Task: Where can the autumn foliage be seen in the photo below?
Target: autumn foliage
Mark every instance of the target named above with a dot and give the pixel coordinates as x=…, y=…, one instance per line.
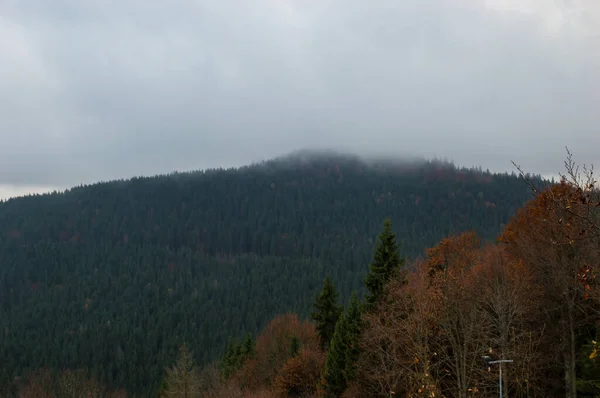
x=300, y=375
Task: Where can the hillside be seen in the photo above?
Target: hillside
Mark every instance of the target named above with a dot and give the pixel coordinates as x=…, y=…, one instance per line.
x=114, y=276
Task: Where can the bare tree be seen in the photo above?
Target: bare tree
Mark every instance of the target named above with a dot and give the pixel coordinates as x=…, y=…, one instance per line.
x=397, y=344
x=182, y=378
x=509, y=300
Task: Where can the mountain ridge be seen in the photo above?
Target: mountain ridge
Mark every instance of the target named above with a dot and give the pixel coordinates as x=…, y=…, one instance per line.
x=299, y=158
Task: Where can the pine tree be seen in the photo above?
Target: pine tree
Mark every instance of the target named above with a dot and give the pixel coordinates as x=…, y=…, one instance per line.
x=343, y=350
x=386, y=261
x=182, y=379
x=327, y=312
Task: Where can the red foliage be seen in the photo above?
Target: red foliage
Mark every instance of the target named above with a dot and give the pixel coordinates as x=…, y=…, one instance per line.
x=273, y=349
x=300, y=375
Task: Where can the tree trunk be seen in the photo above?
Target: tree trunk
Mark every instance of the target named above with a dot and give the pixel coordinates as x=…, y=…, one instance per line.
x=570, y=355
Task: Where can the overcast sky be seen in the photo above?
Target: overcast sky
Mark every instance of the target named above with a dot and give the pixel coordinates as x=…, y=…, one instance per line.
x=93, y=90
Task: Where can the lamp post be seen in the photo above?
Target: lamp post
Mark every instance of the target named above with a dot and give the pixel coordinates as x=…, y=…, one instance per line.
x=486, y=359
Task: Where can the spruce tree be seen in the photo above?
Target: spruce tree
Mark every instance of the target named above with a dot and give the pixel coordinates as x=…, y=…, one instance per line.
x=335, y=362
x=327, y=312
x=386, y=261
x=354, y=329
x=343, y=350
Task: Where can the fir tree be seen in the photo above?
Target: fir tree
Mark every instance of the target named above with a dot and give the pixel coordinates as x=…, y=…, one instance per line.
x=327, y=312
x=343, y=350
x=386, y=261
x=182, y=379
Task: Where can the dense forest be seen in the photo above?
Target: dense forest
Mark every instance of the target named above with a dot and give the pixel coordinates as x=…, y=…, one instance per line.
x=113, y=278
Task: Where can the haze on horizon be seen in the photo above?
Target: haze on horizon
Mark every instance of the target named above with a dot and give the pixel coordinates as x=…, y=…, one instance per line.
x=94, y=91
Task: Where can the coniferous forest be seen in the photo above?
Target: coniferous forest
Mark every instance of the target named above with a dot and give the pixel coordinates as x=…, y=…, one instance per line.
x=309, y=275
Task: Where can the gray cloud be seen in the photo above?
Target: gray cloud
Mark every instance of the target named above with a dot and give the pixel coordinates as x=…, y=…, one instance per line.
x=97, y=90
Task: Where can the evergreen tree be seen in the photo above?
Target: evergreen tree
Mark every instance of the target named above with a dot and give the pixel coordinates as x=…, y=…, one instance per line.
x=248, y=349
x=386, y=262
x=295, y=347
x=343, y=350
x=327, y=312
x=354, y=329
x=334, y=380
x=229, y=360
x=182, y=379
x=237, y=353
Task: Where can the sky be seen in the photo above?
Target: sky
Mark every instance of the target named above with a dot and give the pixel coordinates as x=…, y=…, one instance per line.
x=96, y=90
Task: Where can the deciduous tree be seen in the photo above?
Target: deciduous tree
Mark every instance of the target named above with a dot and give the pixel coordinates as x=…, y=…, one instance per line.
x=182, y=378
x=552, y=241
x=398, y=343
x=300, y=375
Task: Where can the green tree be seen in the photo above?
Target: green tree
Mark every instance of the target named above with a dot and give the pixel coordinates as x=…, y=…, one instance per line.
x=295, y=347
x=353, y=332
x=248, y=348
x=327, y=312
x=229, y=360
x=386, y=262
x=182, y=379
x=343, y=350
x=237, y=353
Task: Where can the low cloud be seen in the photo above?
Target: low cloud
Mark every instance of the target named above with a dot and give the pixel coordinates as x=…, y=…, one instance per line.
x=98, y=90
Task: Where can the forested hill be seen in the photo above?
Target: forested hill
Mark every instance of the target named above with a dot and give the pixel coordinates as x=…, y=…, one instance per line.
x=114, y=276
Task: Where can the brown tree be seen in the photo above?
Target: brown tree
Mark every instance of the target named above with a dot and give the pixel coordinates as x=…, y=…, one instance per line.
x=510, y=300
x=463, y=332
x=39, y=384
x=397, y=345
x=583, y=200
x=550, y=236
x=274, y=348
x=300, y=375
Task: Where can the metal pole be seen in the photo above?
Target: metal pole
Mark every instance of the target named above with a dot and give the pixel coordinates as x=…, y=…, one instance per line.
x=500, y=367
x=500, y=362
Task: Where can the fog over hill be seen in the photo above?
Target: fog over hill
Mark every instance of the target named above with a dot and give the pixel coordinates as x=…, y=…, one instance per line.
x=295, y=159
x=96, y=91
